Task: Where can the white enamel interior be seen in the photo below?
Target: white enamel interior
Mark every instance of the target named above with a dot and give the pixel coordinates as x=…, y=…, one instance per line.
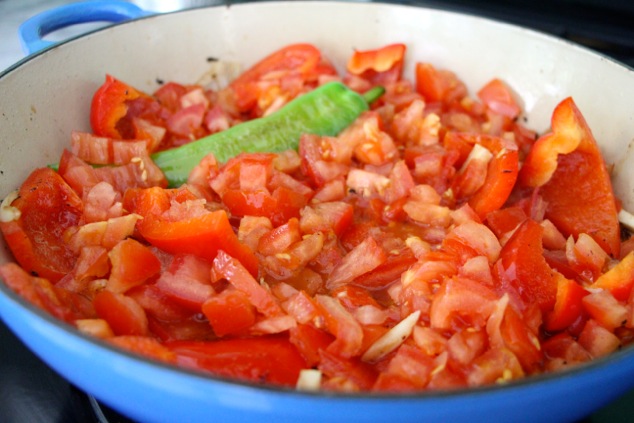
x=45, y=97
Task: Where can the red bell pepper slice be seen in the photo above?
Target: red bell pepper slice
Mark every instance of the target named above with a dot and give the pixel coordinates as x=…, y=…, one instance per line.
x=109, y=106
x=574, y=180
x=299, y=59
x=501, y=176
x=568, y=305
x=532, y=278
x=619, y=280
x=379, y=60
x=203, y=236
x=270, y=359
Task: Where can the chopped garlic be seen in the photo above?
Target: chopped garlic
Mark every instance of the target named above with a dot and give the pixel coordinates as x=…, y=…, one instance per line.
x=627, y=219
x=309, y=380
x=392, y=339
x=8, y=213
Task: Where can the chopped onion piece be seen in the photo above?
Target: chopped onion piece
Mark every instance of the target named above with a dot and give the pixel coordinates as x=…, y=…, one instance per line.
x=627, y=219
x=309, y=380
x=8, y=213
x=392, y=339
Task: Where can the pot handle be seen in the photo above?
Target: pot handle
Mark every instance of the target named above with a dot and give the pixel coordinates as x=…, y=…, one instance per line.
x=32, y=31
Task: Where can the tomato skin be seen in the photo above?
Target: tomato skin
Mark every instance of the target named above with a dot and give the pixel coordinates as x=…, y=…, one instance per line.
x=109, y=106
x=37, y=291
x=266, y=359
x=48, y=206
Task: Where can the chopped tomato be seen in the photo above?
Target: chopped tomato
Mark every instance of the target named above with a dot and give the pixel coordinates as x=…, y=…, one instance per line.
x=237, y=275
x=432, y=244
x=498, y=97
x=438, y=85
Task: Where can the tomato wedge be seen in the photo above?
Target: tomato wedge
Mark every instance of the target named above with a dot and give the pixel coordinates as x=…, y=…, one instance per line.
x=271, y=359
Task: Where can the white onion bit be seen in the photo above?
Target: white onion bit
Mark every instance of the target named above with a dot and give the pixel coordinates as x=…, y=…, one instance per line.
x=627, y=219
x=392, y=338
x=309, y=380
x=8, y=213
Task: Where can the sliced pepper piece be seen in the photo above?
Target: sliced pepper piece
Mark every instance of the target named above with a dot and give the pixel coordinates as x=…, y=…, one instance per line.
x=109, y=106
x=574, y=180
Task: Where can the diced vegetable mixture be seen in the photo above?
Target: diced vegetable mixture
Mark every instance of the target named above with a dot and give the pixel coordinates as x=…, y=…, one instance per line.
x=376, y=233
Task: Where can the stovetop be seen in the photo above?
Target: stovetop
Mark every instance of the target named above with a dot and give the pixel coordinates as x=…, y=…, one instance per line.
x=31, y=392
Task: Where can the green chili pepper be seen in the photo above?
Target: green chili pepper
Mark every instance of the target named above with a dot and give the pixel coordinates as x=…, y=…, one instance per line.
x=326, y=110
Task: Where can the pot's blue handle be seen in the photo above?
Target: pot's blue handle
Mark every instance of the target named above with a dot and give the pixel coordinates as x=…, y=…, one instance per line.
x=32, y=31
